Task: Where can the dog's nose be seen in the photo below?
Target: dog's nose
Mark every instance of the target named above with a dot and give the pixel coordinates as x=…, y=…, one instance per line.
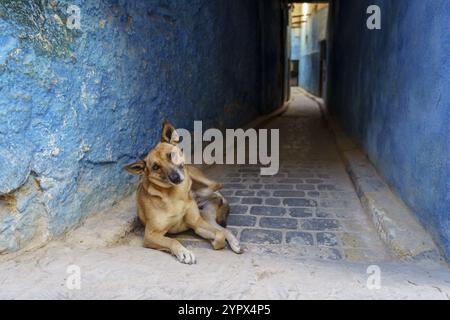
x=174, y=177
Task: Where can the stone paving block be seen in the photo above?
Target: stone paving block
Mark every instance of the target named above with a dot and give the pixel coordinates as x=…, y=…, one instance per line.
x=301, y=212
x=326, y=187
x=318, y=224
x=241, y=220
x=280, y=186
x=291, y=181
x=327, y=239
x=263, y=193
x=233, y=200
x=320, y=213
x=299, y=238
x=278, y=223
x=279, y=175
x=267, y=211
x=299, y=202
x=289, y=194
x=234, y=186
x=305, y=187
x=238, y=209
x=256, y=186
x=313, y=194
x=251, y=200
x=245, y=193
x=227, y=193
x=314, y=181
x=261, y=236
x=272, y=201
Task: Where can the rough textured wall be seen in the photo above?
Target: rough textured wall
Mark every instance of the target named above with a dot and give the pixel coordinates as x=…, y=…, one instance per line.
x=390, y=89
x=306, y=49
x=77, y=105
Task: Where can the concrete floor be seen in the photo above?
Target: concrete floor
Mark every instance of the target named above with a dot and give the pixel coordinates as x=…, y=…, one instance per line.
x=305, y=232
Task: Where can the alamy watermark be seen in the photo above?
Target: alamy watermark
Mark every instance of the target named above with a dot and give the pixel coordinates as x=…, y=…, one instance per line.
x=239, y=146
x=374, y=20
x=374, y=278
x=74, y=18
x=73, y=281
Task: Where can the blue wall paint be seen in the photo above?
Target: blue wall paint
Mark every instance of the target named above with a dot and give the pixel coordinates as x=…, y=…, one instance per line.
x=306, y=49
x=390, y=89
x=295, y=44
x=77, y=105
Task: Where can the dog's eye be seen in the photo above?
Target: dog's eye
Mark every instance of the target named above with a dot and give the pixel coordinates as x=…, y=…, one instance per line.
x=155, y=167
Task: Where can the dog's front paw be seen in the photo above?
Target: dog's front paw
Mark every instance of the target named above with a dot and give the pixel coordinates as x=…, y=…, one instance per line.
x=235, y=245
x=185, y=256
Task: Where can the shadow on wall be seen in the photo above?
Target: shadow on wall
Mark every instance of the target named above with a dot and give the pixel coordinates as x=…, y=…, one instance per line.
x=78, y=104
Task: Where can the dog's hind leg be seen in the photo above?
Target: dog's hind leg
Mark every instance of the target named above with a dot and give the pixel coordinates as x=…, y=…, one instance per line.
x=158, y=241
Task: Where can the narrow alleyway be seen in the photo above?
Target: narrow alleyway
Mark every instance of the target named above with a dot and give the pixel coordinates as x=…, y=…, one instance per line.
x=310, y=207
x=310, y=204
x=305, y=231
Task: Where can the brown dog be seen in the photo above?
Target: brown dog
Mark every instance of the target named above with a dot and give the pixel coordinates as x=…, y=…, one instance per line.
x=164, y=199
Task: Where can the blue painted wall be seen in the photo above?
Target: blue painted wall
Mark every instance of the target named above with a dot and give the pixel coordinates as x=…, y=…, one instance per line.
x=295, y=43
x=390, y=89
x=306, y=49
x=77, y=105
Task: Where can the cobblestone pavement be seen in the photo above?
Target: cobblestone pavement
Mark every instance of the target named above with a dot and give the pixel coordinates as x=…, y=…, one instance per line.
x=310, y=207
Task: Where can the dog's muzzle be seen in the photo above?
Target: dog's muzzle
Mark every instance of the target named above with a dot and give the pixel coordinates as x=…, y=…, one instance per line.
x=175, y=177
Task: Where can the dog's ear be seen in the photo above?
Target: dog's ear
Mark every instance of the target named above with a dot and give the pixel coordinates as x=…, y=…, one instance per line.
x=169, y=134
x=137, y=167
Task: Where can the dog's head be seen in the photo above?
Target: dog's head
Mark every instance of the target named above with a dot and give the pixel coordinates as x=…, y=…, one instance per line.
x=164, y=164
